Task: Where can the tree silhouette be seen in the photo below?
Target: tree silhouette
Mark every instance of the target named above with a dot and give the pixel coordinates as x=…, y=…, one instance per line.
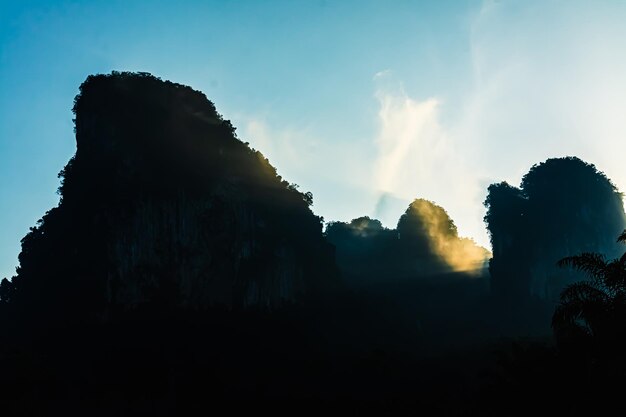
x=595, y=308
x=6, y=288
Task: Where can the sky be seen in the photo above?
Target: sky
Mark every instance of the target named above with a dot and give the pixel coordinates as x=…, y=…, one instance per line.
x=367, y=104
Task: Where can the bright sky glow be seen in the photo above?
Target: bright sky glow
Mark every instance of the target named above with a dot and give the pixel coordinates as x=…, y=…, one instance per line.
x=367, y=104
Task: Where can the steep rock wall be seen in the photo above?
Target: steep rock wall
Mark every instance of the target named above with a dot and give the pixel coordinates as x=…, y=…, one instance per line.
x=162, y=204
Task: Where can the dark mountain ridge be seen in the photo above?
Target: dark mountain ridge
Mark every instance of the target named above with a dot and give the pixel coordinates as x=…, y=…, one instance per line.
x=162, y=204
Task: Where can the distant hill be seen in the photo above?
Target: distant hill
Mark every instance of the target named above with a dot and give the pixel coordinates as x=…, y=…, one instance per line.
x=424, y=243
x=163, y=205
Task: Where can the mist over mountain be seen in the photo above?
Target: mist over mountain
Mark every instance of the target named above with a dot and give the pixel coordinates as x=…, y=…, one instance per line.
x=424, y=243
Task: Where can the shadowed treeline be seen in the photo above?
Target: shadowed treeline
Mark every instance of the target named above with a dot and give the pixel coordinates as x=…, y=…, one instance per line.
x=424, y=243
x=180, y=274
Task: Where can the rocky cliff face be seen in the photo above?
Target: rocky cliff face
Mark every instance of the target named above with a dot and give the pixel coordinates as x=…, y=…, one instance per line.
x=563, y=207
x=163, y=204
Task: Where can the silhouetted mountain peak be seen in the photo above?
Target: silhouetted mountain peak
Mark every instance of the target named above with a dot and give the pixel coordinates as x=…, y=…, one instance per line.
x=563, y=206
x=163, y=204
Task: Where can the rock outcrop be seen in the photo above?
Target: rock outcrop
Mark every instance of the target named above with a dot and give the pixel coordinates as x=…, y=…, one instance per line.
x=563, y=207
x=162, y=204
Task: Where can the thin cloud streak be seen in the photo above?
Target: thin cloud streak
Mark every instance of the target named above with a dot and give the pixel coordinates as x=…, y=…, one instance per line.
x=535, y=90
x=419, y=158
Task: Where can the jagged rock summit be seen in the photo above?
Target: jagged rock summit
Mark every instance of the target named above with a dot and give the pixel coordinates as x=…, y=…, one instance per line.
x=163, y=205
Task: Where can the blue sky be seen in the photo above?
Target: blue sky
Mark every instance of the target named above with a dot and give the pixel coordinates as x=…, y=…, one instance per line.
x=368, y=104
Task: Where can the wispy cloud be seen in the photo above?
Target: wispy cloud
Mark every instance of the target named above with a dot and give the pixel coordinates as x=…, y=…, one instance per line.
x=547, y=82
x=410, y=155
x=418, y=157
x=541, y=81
x=411, y=144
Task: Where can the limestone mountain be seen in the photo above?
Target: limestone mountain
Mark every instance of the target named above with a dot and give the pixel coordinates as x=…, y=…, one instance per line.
x=162, y=204
x=564, y=206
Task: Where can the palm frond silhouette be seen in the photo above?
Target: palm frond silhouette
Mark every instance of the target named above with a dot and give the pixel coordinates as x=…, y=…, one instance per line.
x=596, y=306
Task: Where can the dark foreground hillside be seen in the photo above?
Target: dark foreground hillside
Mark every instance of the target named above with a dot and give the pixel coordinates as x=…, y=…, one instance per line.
x=355, y=353
x=434, y=348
